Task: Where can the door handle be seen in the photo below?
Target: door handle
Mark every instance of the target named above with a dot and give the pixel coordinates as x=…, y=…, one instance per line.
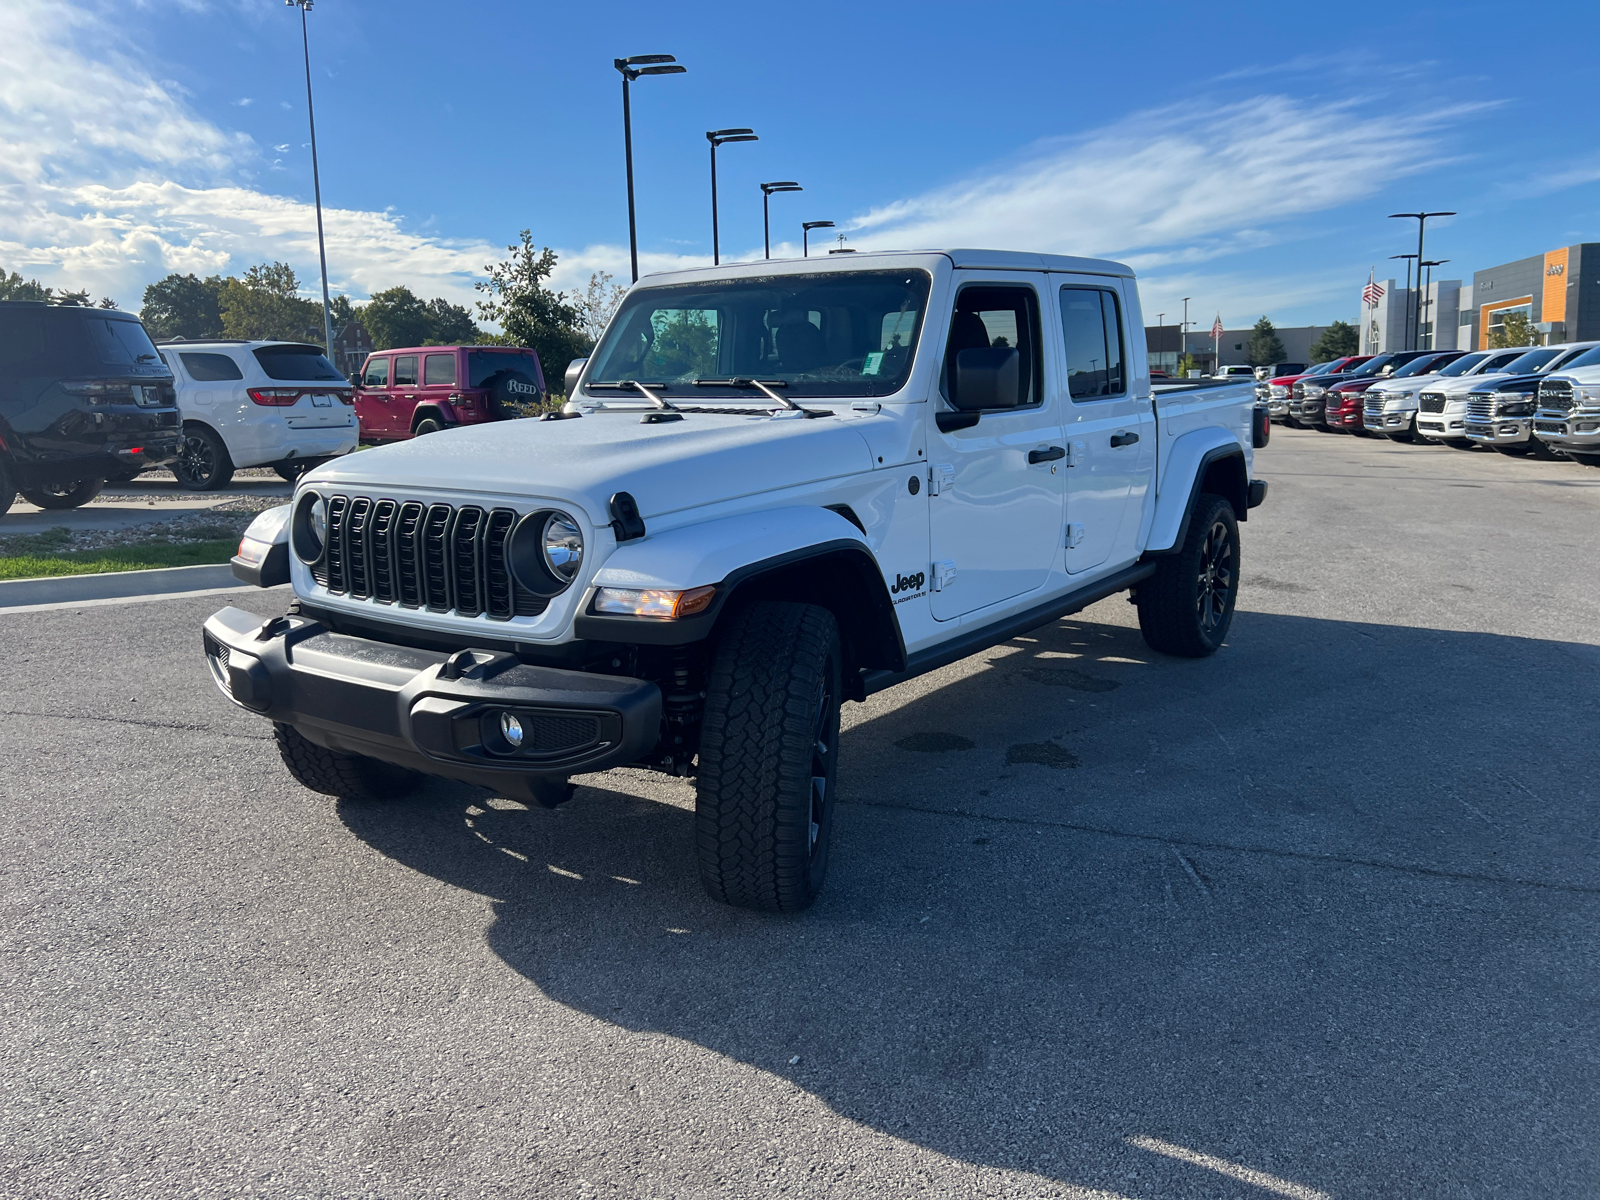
x=1123, y=439
x=1046, y=454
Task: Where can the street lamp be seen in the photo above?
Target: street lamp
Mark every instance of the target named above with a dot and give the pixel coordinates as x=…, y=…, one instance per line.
x=718, y=137
x=787, y=185
x=316, y=181
x=1422, y=223
x=1183, y=332
x=631, y=68
x=1408, y=258
x=1427, y=298
x=805, y=235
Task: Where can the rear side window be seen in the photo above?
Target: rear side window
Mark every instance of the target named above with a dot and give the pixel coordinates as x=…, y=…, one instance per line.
x=405, y=371
x=1091, y=325
x=306, y=364
x=210, y=368
x=45, y=341
x=377, y=373
x=998, y=317
x=439, y=368
x=121, y=342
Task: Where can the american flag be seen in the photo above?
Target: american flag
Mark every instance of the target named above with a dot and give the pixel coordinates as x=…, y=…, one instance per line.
x=1216, y=327
x=1373, y=292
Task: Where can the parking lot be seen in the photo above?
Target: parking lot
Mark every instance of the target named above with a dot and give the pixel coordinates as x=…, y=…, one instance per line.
x=1318, y=916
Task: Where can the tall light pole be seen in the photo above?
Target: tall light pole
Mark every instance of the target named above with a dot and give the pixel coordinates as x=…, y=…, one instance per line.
x=1427, y=298
x=1422, y=224
x=316, y=181
x=805, y=235
x=1183, y=332
x=631, y=68
x=718, y=137
x=1408, y=258
x=787, y=185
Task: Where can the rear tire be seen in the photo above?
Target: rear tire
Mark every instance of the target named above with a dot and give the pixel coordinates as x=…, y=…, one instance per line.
x=348, y=776
x=8, y=488
x=1541, y=450
x=425, y=427
x=769, y=757
x=204, y=465
x=291, y=473
x=1186, y=607
x=64, y=495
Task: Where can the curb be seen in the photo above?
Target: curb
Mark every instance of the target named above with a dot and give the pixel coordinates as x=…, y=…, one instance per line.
x=115, y=585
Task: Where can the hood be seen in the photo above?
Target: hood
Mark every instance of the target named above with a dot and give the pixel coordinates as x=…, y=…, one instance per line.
x=668, y=467
x=1511, y=383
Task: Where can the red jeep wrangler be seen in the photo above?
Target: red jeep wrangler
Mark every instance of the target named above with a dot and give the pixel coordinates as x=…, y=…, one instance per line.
x=403, y=393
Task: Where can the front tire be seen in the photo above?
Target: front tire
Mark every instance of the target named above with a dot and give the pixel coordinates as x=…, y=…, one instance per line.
x=769, y=757
x=348, y=776
x=64, y=495
x=1186, y=607
x=204, y=465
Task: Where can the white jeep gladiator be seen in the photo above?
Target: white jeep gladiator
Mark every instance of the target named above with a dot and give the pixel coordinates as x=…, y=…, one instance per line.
x=774, y=488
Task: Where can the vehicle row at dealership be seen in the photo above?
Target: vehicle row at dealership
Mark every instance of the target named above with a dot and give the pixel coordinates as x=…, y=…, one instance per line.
x=1537, y=401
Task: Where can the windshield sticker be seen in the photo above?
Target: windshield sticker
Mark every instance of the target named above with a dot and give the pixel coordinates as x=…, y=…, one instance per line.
x=874, y=361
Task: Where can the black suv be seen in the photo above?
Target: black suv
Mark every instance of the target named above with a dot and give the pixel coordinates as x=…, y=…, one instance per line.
x=84, y=397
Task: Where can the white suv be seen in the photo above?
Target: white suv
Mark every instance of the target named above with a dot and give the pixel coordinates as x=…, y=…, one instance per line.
x=250, y=404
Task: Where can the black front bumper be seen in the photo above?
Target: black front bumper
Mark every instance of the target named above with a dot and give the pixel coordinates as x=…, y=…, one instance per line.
x=427, y=710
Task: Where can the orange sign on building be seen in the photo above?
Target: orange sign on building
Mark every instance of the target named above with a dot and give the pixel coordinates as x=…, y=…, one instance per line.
x=1554, y=307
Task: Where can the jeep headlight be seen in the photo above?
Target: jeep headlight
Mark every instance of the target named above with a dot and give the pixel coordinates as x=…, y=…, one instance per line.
x=308, y=528
x=563, y=546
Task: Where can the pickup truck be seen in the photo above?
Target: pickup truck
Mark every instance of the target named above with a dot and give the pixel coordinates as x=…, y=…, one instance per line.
x=1568, y=414
x=1441, y=414
x=1345, y=404
x=774, y=488
x=1276, y=391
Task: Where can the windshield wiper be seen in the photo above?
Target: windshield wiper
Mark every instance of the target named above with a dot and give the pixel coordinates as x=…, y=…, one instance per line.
x=763, y=387
x=634, y=385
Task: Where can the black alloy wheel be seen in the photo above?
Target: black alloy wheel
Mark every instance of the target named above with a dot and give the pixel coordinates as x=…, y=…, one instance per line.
x=204, y=464
x=1217, y=579
x=824, y=758
x=1186, y=607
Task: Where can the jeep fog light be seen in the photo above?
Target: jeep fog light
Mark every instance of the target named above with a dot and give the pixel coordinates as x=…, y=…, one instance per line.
x=653, y=602
x=511, y=729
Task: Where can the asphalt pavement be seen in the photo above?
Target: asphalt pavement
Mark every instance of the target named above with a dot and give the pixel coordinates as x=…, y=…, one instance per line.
x=148, y=497
x=1318, y=916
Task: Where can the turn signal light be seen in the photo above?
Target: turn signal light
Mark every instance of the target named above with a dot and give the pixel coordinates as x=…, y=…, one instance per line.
x=275, y=397
x=653, y=602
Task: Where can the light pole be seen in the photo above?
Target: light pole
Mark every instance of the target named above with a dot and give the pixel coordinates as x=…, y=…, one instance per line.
x=1408, y=258
x=316, y=182
x=1422, y=224
x=1427, y=298
x=719, y=137
x=631, y=68
x=787, y=185
x=1183, y=332
x=805, y=235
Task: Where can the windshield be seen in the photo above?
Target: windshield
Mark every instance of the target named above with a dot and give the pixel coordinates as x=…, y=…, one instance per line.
x=1373, y=366
x=1587, y=359
x=1417, y=366
x=306, y=364
x=1532, y=361
x=830, y=334
x=1464, y=364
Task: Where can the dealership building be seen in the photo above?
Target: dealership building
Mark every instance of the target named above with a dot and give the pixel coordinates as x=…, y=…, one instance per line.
x=1558, y=291
x=1166, y=344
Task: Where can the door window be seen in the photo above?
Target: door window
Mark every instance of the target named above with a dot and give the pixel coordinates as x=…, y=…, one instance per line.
x=989, y=316
x=210, y=368
x=405, y=371
x=377, y=373
x=1091, y=327
x=439, y=369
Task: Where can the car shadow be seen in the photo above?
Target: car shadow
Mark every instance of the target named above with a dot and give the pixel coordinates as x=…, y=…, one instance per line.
x=1277, y=907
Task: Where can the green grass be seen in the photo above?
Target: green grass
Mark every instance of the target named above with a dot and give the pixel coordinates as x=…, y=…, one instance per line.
x=30, y=562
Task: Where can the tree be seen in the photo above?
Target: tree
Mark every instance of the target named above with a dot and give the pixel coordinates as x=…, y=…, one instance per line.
x=183, y=306
x=397, y=316
x=266, y=304
x=1265, y=347
x=529, y=312
x=1515, y=330
x=343, y=312
x=596, y=305
x=15, y=287
x=1337, y=341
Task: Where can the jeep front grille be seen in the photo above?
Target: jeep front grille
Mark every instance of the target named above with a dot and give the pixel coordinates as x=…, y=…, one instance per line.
x=1480, y=406
x=1555, y=395
x=429, y=556
x=1431, y=402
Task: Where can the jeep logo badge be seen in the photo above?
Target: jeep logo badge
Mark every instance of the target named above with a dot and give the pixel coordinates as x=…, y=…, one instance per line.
x=908, y=583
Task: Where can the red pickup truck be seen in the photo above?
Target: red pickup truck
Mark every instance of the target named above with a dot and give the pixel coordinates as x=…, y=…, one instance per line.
x=422, y=389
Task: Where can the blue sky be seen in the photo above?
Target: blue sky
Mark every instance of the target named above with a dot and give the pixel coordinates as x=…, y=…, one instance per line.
x=1245, y=155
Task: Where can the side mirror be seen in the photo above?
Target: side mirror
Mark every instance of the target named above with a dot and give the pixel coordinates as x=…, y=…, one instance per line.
x=574, y=369
x=988, y=377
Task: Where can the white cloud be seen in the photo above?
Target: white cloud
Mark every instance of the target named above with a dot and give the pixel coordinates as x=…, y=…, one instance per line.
x=1174, y=184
